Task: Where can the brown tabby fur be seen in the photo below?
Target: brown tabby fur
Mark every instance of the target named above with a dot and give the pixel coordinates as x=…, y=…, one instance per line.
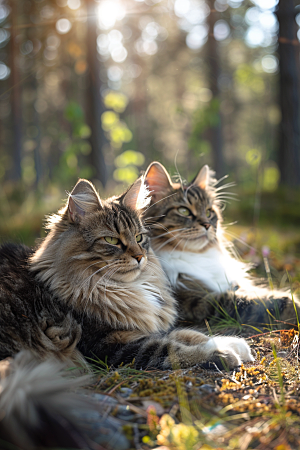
x=187, y=245
x=114, y=296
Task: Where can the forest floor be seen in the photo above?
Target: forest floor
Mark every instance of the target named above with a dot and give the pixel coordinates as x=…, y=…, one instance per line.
x=254, y=407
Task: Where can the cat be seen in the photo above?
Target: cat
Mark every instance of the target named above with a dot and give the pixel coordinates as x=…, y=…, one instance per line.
x=38, y=405
x=94, y=287
x=208, y=281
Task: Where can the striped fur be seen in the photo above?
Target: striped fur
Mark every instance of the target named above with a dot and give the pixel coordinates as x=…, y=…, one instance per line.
x=95, y=270
x=206, y=277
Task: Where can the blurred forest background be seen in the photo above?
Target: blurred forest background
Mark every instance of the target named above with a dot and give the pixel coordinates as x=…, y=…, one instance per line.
x=99, y=89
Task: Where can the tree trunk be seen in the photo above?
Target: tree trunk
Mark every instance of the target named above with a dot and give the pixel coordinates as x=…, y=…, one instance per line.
x=289, y=132
x=15, y=173
x=94, y=105
x=213, y=63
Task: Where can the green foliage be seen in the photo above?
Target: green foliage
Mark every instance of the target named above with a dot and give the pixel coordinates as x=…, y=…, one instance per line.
x=130, y=157
x=249, y=78
x=116, y=101
x=73, y=163
x=127, y=164
x=117, y=131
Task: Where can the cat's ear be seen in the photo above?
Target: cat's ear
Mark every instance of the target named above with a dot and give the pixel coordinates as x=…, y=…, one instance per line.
x=83, y=199
x=202, y=179
x=158, y=180
x=137, y=197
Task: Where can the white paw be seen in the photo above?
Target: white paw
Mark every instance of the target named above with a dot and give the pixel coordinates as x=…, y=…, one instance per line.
x=231, y=345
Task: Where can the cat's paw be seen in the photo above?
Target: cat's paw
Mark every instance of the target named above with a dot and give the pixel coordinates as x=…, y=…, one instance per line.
x=229, y=352
x=65, y=336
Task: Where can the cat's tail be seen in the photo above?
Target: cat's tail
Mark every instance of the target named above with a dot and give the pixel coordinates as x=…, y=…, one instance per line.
x=38, y=404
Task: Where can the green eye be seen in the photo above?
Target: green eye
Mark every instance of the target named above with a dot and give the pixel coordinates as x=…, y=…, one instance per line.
x=111, y=240
x=184, y=211
x=208, y=212
x=139, y=238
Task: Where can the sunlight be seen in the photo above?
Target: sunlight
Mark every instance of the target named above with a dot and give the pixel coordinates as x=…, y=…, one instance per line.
x=109, y=12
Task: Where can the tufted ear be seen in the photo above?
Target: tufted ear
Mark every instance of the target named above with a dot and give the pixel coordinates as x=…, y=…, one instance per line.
x=202, y=178
x=83, y=199
x=158, y=180
x=137, y=197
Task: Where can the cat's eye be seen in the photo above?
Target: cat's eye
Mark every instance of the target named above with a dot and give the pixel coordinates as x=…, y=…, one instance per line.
x=139, y=238
x=184, y=211
x=111, y=240
x=209, y=212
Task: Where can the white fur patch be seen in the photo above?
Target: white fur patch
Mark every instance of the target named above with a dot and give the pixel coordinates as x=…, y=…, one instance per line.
x=151, y=294
x=215, y=268
x=230, y=344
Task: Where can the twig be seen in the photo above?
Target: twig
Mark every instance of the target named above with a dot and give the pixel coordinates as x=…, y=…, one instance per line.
x=132, y=407
x=225, y=376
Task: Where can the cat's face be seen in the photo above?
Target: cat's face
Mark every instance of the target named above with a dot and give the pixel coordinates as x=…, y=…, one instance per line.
x=182, y=217
x=117, y=240
x=109, y=237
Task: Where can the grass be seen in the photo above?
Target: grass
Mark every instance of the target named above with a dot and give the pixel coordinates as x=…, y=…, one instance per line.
x=256, y=407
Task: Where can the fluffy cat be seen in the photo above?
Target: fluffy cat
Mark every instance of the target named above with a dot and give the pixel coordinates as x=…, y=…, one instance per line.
x=207, y=280
x=94, y=287
x=38, y=405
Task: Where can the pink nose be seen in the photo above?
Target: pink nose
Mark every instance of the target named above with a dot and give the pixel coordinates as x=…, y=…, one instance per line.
x=206, y=225
x=138, y=258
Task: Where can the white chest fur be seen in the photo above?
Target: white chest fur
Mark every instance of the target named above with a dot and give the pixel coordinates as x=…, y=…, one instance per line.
x=215, y=268
x=151, y=294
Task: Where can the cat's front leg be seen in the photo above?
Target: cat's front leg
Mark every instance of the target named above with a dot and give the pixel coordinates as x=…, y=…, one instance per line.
x=182, y=347
x=224, y=351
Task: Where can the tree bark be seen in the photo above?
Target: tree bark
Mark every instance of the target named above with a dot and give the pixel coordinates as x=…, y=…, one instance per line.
x=94, y=104
x=213, y=63
x=289, y=132
x=15, y=173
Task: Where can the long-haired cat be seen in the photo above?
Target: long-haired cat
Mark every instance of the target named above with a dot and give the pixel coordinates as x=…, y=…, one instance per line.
x=95, y=286
x=206, y=278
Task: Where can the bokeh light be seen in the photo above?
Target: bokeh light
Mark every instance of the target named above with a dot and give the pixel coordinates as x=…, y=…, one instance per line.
x=63, y=26
x=74, y=4
x=269, y=63
x=4, y=71
x=109, y=12
x=221, y=30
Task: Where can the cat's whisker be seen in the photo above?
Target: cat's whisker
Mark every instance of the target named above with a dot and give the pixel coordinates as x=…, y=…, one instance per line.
x=162, y=259
x=235, y=236
x=154, y=217
x=169, y=232
x=177, y=244
x=108, y=279
x=226, y=195
x=158, y=225
x=225, y=186
x=149, y=207
x=220, y=179
x=95, y=273
x=97, y=262
x=157, y=268
x=101, y=279
x=165, y=243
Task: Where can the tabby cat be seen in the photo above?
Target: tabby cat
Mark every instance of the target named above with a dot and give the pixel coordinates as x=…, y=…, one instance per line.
x=207, y=280
x=94, y=286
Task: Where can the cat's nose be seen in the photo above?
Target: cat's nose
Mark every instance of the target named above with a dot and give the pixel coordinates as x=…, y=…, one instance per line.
x=206, y=225
x=138, y=257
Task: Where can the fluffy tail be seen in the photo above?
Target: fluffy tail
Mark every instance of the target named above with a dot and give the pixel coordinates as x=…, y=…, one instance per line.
x=37, y=405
